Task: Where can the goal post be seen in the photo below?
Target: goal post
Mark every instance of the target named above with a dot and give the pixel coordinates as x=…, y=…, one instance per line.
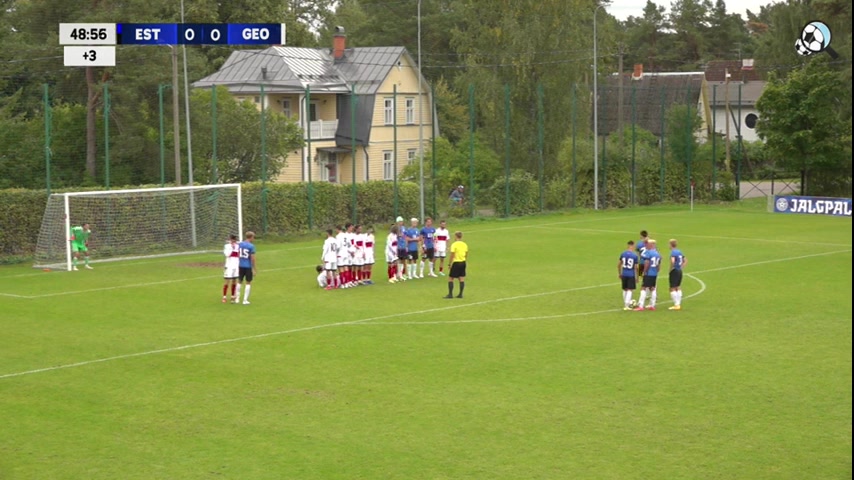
x=140, y=223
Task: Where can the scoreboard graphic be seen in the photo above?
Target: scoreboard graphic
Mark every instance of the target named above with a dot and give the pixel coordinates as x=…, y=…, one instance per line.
x=94, y=44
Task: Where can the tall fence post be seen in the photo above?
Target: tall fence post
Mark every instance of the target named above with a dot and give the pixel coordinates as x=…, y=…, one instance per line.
x=214, y=166
x=506, y=150
x=310, y=156
x=634, y=141
x=689, y=140
x=574, y=142
x=471, y=198
x=48, y=122
x=433, y=112
x=263, y=159
x=662, y=147
x=160, y=89
x=540, y=144
x=714, y=142
x=394, y=147
x=740, y=146
x=353, y=101
x=107, y=135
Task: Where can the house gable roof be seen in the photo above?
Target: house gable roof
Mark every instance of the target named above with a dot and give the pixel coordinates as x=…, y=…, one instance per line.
x=292, y=69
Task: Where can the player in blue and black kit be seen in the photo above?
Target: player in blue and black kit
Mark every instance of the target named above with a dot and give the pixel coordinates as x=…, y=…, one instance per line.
x=677, y=263
x=402, y=250
x=413, y=244
x=428, y=236
x=640, y=249
x=246, y=271
x=627, y=269
x=652, y=262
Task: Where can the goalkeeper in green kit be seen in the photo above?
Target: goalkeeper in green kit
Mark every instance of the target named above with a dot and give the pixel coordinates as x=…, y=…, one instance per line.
x=80, y=244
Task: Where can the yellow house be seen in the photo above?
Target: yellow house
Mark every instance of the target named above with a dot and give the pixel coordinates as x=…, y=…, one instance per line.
x=320, y=88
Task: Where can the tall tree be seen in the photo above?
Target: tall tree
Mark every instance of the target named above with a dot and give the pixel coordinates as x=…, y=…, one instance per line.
x=648, y=37
x=805, y=127
x=689, y=19
x=727, y=35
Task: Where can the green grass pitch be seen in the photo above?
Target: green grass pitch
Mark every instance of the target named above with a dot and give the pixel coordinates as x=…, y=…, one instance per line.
x=135, y=370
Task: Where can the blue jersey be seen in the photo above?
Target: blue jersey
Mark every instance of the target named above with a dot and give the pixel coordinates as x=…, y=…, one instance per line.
x=640, y=247
x=628, y=262
x=427, y=235
x=247, y=250
x=677, y=258
x=401, y=240
x=654, y=259
x=411, y=233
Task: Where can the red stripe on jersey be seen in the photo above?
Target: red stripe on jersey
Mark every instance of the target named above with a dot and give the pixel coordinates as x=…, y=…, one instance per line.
x=441, y=238
x=359, y=243
x=393, y=244
x=369, y=244
x=234, y=254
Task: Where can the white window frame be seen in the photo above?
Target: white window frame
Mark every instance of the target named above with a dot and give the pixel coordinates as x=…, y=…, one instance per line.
x=388, y=111
x=411, y=155
x=329, y=158
x=286, y=107
x=388, y=165
x=410, y=111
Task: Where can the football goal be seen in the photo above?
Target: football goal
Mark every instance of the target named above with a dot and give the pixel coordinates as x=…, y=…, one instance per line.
x=140, y=223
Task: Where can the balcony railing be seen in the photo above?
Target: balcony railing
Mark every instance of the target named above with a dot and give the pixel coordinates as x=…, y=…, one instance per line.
x=322, y=129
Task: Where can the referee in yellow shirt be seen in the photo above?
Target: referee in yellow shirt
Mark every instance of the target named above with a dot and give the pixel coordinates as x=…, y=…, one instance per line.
x=459, y=254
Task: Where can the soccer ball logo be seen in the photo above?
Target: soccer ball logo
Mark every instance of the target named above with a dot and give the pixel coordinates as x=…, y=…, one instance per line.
x=782, y=204
x=815, y=38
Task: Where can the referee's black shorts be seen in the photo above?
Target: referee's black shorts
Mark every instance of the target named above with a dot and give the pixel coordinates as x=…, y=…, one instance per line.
x=458, y=270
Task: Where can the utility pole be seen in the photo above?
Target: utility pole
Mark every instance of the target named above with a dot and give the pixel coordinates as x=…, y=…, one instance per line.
x=620, y=96
x=176, y=115
x=726, y=111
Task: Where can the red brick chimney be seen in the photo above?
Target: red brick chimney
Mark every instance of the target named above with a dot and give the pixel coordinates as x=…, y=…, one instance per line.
x=638, y=73
x=339, y=43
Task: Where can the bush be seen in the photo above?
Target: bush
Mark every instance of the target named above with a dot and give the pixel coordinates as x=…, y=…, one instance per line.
x=524, y=194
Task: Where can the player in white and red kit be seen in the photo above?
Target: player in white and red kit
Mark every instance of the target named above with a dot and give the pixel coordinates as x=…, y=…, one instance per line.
x=231, y=251
x=369, y=255
x=391, y=253
x=441, y=245
x=329, y=257
x=358, y=242
x=343, y=258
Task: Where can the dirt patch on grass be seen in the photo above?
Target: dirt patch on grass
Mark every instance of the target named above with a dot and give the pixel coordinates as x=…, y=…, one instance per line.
x=200, y=265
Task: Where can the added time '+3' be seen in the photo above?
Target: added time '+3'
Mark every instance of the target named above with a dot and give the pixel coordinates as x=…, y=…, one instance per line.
x=89, y=34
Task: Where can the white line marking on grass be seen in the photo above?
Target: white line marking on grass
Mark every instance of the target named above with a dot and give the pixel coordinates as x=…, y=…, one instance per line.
x=285, y=332
x=383, y=317
x=135, y=285
x=776, y=260
x=712, y=237
x=540, y=317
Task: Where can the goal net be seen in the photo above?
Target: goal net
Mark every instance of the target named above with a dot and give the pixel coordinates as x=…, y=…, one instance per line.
x=140, y=223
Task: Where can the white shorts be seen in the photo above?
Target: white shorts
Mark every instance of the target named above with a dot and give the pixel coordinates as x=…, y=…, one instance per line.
x=230, y=272
x=440, y=252
x=330, y=266
x=369, y=258
x=344, y=261
x=358, y=260
x=390, y=258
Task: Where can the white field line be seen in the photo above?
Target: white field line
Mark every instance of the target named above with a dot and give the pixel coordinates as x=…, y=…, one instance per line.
x=383, y=317
x=285, y=332
x=146, y=284
x=712, y=237
x=540, y=317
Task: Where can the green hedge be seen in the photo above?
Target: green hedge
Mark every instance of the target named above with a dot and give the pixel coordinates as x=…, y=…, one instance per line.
x=287, y=210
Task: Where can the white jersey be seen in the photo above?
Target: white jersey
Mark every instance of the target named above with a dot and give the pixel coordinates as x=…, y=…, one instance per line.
x=330, y=250
x=321, y=279
x=231, y=252
x=358, y=240
x=442, y=236
x=369, y=249
x=391, y=248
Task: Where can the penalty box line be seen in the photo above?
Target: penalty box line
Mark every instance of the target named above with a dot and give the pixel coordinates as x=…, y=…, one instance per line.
x=383, y=317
